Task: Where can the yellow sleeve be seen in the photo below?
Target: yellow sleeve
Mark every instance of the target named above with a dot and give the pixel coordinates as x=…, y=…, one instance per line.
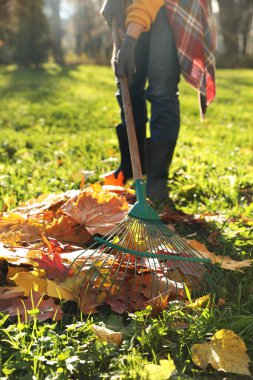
x=143, y=12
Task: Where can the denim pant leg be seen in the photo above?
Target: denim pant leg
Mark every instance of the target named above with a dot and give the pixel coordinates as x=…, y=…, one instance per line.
x=139, y=107
x=164, y=77
x=137, y=89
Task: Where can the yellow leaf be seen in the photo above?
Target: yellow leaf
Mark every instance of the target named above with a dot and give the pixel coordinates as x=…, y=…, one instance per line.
x=57, y=291
x=199, y=303
x=107, y=335
x=162, y=371
x=226, y=352
x=28, y=282
x=12, y=270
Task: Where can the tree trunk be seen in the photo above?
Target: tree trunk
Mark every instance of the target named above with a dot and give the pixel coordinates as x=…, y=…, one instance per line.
x=229, y=21
x=246, y=11
x=56, y=32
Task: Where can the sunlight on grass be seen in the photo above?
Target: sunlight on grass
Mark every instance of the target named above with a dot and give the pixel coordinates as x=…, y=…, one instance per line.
x=56, y=123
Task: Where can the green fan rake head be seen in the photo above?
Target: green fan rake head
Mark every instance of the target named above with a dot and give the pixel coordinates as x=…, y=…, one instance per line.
x=142, y=259
x=141, y=262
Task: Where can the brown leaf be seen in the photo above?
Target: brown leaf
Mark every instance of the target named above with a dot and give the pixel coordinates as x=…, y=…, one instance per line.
x=44, y=202
x=213, y=237
x=64, y=228
x=169, y=215
x=8, y=292
x=225, y=261
x=13, y=270
x=107, y=335
x=98, y=210
x=88, y=301
x=152, y=284
x=159, y=303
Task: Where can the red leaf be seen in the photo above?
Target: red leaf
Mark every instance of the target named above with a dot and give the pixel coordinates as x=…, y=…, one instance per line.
x=53, y=266
x=24, y=306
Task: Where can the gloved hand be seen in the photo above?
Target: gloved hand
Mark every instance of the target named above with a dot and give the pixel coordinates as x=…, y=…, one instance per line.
x=125, y=64
x=113, y=9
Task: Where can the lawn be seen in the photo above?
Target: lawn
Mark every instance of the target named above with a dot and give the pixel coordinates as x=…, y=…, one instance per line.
x=57, y=126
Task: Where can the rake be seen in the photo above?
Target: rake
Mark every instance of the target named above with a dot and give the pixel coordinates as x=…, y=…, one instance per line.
x=141, y=258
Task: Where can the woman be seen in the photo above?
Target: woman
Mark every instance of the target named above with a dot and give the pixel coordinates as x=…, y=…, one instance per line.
x=150, y=52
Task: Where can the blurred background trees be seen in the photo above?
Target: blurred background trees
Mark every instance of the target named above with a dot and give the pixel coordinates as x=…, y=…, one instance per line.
x=72, y=31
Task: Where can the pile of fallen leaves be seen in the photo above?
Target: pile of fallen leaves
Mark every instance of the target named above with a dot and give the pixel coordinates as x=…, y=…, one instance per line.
x=41, y=238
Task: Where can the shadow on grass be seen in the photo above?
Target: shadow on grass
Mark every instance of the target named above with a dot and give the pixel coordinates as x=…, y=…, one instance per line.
x=37, y=85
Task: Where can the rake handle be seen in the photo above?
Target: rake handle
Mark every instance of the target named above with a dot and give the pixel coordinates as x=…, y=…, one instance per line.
x=128, y=112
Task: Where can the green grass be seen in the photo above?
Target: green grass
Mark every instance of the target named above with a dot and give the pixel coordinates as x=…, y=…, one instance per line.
x=69, y=115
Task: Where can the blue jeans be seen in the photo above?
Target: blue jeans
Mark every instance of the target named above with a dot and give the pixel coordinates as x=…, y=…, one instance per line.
x=157, y=62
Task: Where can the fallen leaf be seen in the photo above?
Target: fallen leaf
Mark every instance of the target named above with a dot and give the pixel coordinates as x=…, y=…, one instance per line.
x=44, y=202
x=88, y=301
x=15, y=256
x=31, y=306
x=161, y=371
x=152, y=284
x=225, y=261
x=99, y=211
x=111, y=180
x=66, y=229
x=221, y=302
x=226, y=352
x=199, y=302
x=28, y=282
x=59, y=290
x=53, y=265
x=8, y=292
x=107, y=335
x=13, y=270
x=159, y=303
x=31, y=282
x=213, y=238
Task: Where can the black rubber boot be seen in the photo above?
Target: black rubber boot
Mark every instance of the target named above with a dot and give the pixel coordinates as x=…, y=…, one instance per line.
x=139, y=108
x=125, y=164
x=159, y=157
x=125, y=161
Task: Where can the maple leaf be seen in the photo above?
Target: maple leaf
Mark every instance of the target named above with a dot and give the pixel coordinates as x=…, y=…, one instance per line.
x=67, y=229
x=99, y=211
x=53, y=265
x=152, y=284
x=112, y=180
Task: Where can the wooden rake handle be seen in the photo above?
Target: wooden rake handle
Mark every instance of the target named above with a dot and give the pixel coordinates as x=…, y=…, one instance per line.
x=128, y=112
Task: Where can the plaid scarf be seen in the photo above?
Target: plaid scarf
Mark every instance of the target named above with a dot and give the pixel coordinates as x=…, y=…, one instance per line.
x=194, y=31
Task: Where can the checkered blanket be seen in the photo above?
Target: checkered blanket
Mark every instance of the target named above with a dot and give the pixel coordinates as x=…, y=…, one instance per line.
x=194, y=30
